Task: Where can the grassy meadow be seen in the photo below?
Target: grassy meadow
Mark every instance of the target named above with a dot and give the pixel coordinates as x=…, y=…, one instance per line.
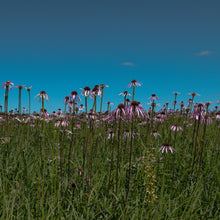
x=123, y=163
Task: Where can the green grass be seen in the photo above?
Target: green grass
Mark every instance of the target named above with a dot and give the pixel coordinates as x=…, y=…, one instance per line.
x=186, y=185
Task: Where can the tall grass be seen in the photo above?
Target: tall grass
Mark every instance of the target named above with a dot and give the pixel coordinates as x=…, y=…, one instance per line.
x=108, y=166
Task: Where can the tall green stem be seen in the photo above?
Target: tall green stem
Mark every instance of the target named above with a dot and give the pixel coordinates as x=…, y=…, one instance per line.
x=6, y=99
x=133, y=93
x=19, y=102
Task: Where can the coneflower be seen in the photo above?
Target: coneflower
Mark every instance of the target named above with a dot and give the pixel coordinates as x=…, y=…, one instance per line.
x=108, y=103
x=41, y=97
x=29, y=94
x=19, y=101
x=102, y=86
x=175, y=101
x=7, y=85
x=193, y=94
x=87, y=93
x=125, y=94
x=96, y=91
x=66, y=100
x=134, y=83
x=166, y=147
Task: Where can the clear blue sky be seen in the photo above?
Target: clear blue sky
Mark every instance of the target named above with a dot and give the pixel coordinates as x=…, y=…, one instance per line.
x=61, y=46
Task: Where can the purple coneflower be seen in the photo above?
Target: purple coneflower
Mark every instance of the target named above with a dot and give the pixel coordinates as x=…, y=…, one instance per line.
x=136, y=107
x=102, y=86
x=75, y=97
x=134, y=83
x=120, y=111
x=20, y=87
x=7, y=85
x=86, y=92
x=42, y=95
x=166, y=147
x=155, y=134
x=176, y=128
x=46, y=114
x=217, y=116
x=29, y=94
x=153, y=97
x=125, y=93
x=108, y=103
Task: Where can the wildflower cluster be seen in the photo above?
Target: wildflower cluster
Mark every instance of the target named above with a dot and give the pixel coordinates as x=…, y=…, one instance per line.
x=150, y=177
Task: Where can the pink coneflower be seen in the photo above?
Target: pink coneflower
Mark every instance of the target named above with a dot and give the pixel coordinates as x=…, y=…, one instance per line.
x=75, y=97
x=218, y=102
x=59, y=111
x=166, y=147
x=66, y=99
x=181, y=104
x=176, y=128
x=217, y=116
x=206, y=120
x=193, y=94
x=81, y=107
x=127, y=102
x=108, y=103
x=176, y=93
x=190, y=101
x=42, y=95
x=7, y=84
x=29, y=94
x=136, y=107
x=153, y=97
x=119, y=112
x=28, y=88
x=125, y=93
x=207, y=104
x=46, y=114
x=174, y=102
x=20, y=86
x=134, y=83
x=102, y=86
x=86, y=92
x=24, y=109
x=155, y=134
x=96, y=91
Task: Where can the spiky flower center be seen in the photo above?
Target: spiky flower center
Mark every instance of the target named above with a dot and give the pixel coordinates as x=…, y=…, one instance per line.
x=74, y=93
x=120, y=106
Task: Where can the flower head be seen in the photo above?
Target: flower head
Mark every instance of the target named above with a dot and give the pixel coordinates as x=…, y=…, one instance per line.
x=7, y=84
x=20, y=86
x=120, y=111
x=136, y=107
x=176, y=93
x=109, y=103
x=66, y=99
x=28, y=88
x=86, y=91
x=134, y=83
x=153, y=97
x=75, y=97
x=125, y=93
x=42, y=95
x=96, y=91
x=176, y=128
x=193, y=94
x=166, y=147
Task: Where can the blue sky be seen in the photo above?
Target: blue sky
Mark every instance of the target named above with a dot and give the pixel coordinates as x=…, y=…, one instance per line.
x=61, y=46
